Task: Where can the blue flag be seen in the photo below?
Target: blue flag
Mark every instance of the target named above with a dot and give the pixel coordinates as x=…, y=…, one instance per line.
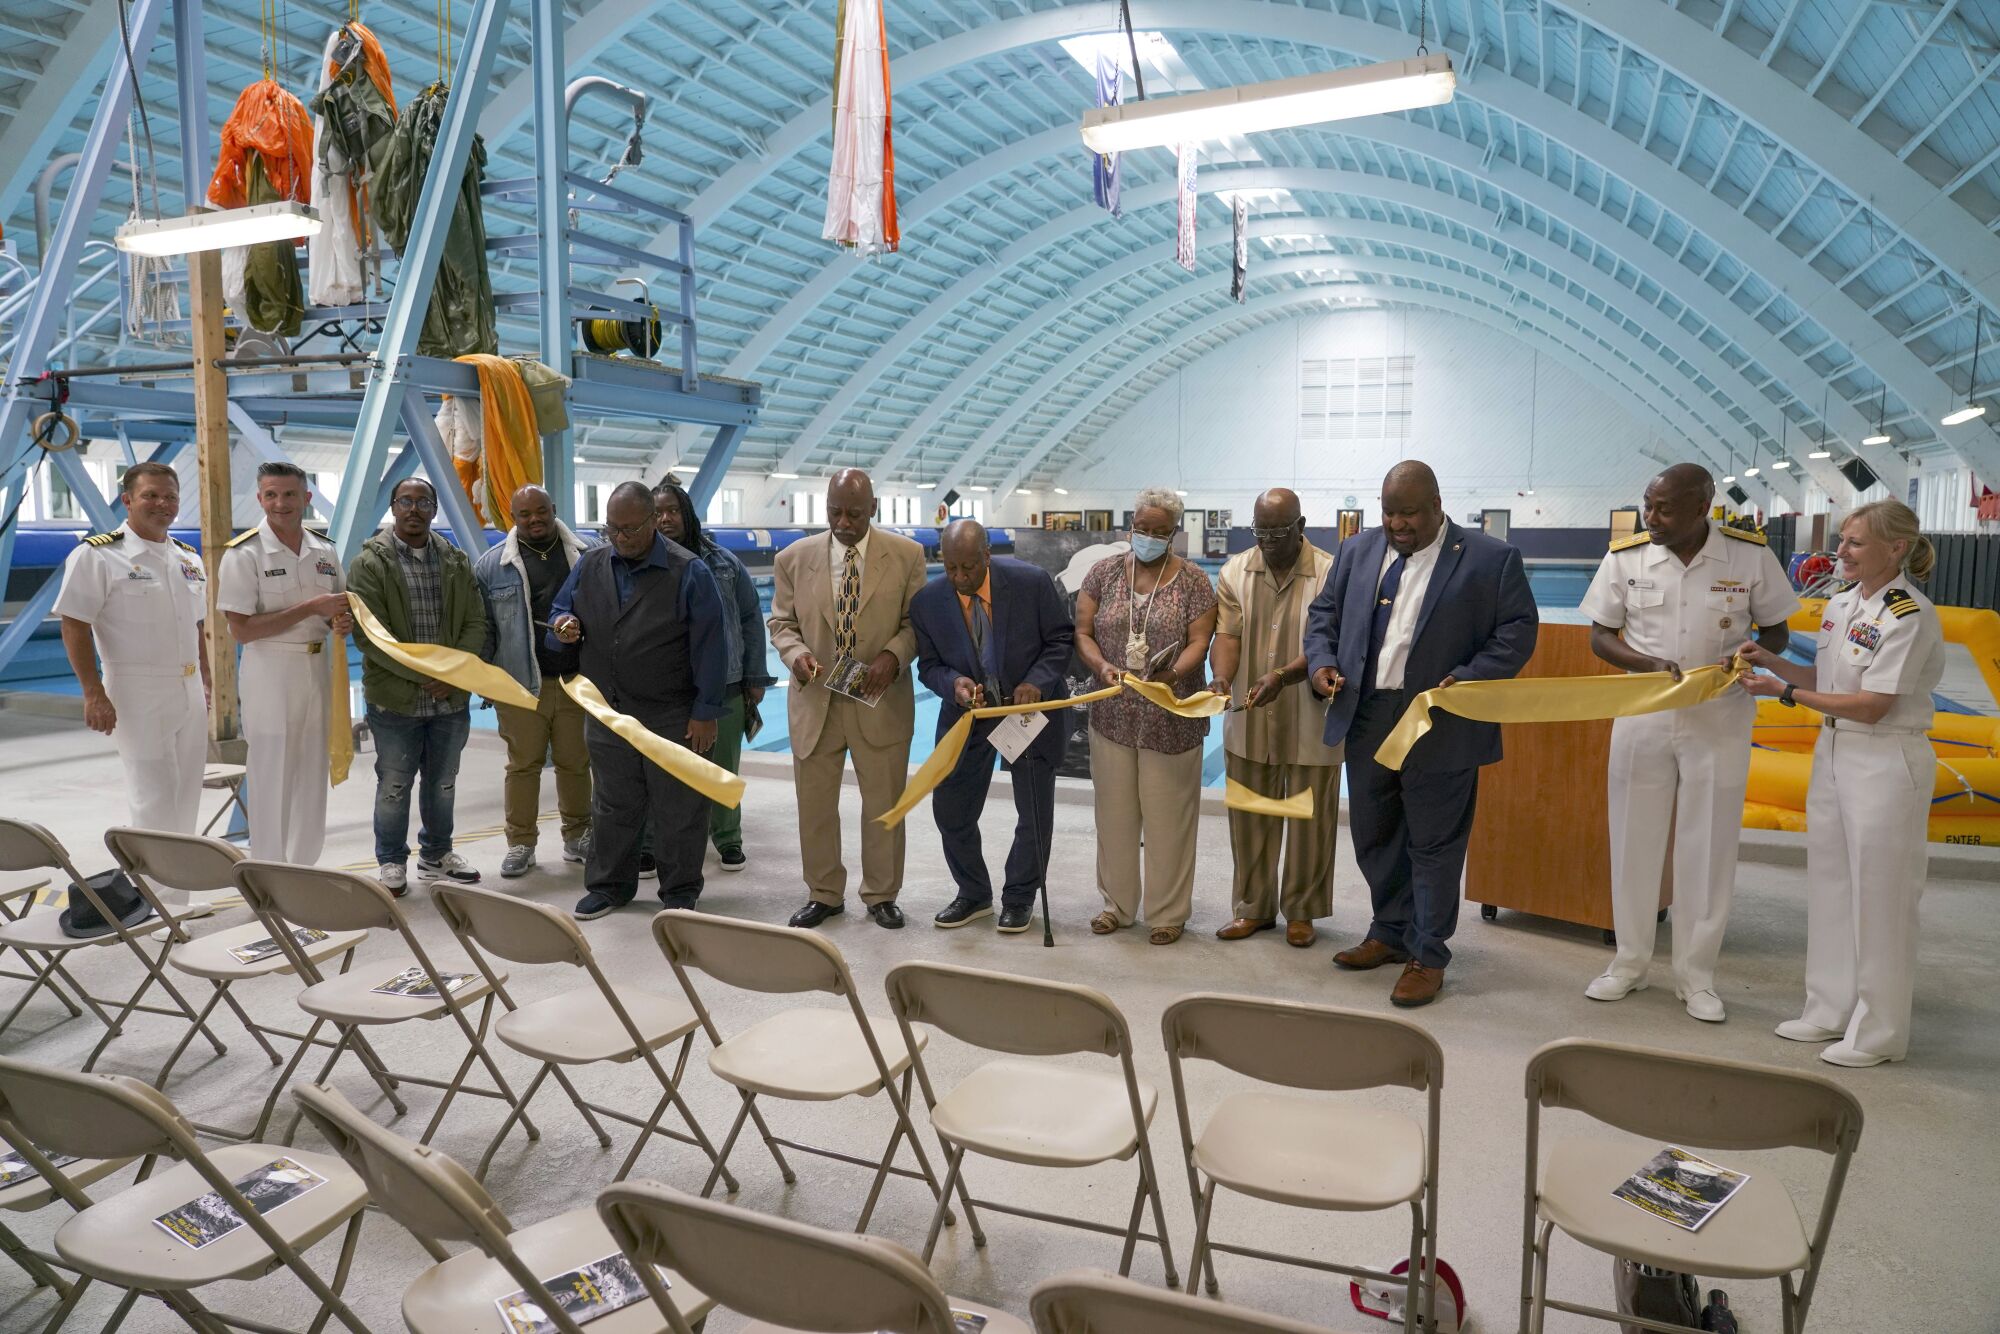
x=1104, y=166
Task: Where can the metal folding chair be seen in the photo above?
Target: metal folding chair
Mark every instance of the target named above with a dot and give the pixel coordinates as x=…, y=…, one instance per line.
x=1100, y=1304
x=282, y=894
x=1311, y=1153
x=1693, y=1101
x=154, y=860
x=31, y=1193
x=804, y=1055
x=15, y=904
x=786, y=1276
x=37, y=933
x=117, y=1241
x=438, y=1201
x=1034, y=1112
x=598, y=1023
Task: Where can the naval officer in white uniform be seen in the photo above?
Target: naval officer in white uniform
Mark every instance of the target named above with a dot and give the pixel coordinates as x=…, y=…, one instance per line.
x=281, y=588
x=136, y=598
x=1881, y=653
x=1677, y=595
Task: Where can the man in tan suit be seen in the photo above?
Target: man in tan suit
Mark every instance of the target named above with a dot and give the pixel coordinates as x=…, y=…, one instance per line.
x=840, y=619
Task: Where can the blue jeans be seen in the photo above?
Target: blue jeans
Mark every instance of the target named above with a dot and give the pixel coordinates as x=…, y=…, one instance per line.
x=422, y=752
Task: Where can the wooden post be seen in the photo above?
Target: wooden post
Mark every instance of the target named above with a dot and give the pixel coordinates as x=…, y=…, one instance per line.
x=211, y=438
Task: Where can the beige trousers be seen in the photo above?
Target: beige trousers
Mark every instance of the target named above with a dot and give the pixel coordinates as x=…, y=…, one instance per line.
x=883, y=771
x=554, y=726
x=1142, y=794
x=1305, y=890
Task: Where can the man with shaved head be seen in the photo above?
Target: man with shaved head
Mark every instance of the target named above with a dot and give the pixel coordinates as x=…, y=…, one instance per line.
x=1274, y=736
x=993, y=630
x=1414, y=605
x=1680, y=593
x=840, y=616
x=519, y=578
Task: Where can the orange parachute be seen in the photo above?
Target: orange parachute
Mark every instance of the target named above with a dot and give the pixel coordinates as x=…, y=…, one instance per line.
x=272, y=124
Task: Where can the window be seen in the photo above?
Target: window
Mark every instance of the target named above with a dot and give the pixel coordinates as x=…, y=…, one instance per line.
x=588, y=504
x=903, y=511
x=969, y=507
x=809, y=508
x=725, y=507
x=1356, y=398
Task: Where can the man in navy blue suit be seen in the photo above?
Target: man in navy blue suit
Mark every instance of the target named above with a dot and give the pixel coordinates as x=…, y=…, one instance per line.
x=993, y=630
x=1412, y=605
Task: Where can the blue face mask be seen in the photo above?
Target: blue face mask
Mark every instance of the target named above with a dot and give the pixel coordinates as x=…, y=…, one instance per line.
x=1146, y=549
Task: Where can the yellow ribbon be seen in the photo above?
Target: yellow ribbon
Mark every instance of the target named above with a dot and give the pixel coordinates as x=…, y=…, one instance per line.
x=1298, y=806
x=1555, y=699
x=455, y=667
x=339, y=716
x=951, y=746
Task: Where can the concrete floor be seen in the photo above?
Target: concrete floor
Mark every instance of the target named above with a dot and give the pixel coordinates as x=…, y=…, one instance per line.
x=1912, y=1249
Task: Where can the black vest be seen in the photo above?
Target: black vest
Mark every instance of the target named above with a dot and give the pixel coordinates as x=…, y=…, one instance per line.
x=636, y=655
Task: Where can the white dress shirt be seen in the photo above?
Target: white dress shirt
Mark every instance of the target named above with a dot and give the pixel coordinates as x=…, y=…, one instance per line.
x=1694, y=613
x=837, y=558
x=261, y=574
x=143, y=600
x=1402, y=627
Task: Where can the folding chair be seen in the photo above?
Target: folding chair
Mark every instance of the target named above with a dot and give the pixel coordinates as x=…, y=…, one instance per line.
x=1100, y=1304
x=805, y=1055
x=1701, y=1103
x=1309, y=1152
x=14, y=905
x=154, y=860
x=1033, y=1112
x=25, y=846
x=34, y=1192
x=437, y=1200
x=282, y=895
x=117, y=1241
x=785, y=1276
x=599, y=1023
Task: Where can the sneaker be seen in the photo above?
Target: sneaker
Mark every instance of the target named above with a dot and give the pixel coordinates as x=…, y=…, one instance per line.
x=394, y=878
x=577, y=849
x=1013, y=921
x=733, y=859
x=960, y=911
x=649, y=866
x=451, y=866
x=520, y=859
x=592, y=906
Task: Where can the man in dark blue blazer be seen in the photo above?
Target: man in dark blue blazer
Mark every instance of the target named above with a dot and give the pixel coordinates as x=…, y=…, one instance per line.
x=993, y=630
x=1415, y=604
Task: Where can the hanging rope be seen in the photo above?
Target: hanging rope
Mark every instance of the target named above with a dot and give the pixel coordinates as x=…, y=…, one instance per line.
x=444, y=37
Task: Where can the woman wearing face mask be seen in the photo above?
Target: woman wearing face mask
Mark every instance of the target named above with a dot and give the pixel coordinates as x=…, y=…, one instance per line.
x=1152, y=614
x=1881, y=654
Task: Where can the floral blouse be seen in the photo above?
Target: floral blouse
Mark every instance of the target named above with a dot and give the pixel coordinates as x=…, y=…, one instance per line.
x=1165, y=616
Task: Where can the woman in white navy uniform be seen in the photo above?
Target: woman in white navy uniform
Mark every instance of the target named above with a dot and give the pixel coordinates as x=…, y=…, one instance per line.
x=1881, y=654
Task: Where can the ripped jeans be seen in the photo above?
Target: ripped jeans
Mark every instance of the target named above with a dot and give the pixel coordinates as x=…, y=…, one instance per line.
x=422, y=752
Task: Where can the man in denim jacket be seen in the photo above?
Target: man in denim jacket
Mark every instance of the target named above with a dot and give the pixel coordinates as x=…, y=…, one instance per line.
x=518, y=578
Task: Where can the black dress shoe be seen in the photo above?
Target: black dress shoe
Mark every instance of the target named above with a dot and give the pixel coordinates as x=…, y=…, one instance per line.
x=886, y=914
x=816, y=912
x=1013, y=921
x=960, y=911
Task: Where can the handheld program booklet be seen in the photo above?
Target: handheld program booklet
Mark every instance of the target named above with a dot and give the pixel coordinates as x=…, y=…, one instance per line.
x=412, y=982
x=598, y=1288
x=210, y=1218
x=1015, y=732
x=259, y=950
x=850, y=678
x=1680, y=1187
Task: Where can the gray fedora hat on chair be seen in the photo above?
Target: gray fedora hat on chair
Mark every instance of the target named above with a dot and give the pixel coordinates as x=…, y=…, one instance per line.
x=82, y=921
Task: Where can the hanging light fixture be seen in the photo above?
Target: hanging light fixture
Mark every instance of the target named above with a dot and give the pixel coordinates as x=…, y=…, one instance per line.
x=1971, y=409
x=1825, y=396
x=1881, y=436
x=218, y=229
x=1752, y=470
x=1781, y=463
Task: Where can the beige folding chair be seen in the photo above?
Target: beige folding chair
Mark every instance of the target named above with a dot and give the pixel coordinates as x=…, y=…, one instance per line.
x=785, y=1276
x=437, y=1200
x=117, y=1240
x=1700, y=1103
x=804, y=1055
x=600, y=1023
x=156, y=860
x=34, y=1192
x=1085, y=1303
x=1033, y=1112
x=15, y=904
x=25, y=846
x=1311, y=1153
x=331, y=901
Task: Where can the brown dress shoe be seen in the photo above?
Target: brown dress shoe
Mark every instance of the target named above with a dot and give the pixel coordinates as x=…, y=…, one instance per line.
x=1370, y=954
x=1242, y=928
x=1300, y=934
x=1417, y=986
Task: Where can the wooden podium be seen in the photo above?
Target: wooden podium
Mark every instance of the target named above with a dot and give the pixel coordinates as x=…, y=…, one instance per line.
x=1540, y=840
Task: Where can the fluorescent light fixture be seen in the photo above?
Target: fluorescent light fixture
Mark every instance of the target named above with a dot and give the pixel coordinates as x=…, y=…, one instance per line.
x=1729, y=480
x=979, y=488
x=1023, y=491
x=1308, y=99
x=1181, y=494
x=219, y=229
x=1782, y=464
x=1059, y=490
x=1820, y=454
x=1965, y=414
x=1529, y=492
x=1750, y=472
x=1877, y=439
x=785, y=476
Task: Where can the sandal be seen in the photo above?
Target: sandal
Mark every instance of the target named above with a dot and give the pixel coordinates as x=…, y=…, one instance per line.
x=1165, y=935
x=1103, y=924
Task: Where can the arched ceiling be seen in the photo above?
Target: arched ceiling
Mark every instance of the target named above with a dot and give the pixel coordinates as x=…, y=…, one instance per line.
x=1752, y=219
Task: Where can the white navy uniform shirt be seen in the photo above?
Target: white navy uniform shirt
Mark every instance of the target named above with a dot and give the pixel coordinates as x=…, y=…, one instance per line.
x=1402, y=627
x=1890, y=644
x=260, y=574
x=1690, y=614
x=144, y=601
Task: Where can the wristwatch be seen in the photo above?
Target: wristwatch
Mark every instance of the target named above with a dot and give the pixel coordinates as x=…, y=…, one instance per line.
x=1786, y=698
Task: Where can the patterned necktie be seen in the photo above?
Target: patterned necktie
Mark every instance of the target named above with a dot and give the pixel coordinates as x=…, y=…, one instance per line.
x=846, y=604
x=982, y=648
x=1385, y=607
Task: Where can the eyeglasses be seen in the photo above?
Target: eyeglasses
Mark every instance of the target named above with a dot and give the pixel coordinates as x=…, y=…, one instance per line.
x=420, y=504
x=1273, y=534
x=628, y=530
